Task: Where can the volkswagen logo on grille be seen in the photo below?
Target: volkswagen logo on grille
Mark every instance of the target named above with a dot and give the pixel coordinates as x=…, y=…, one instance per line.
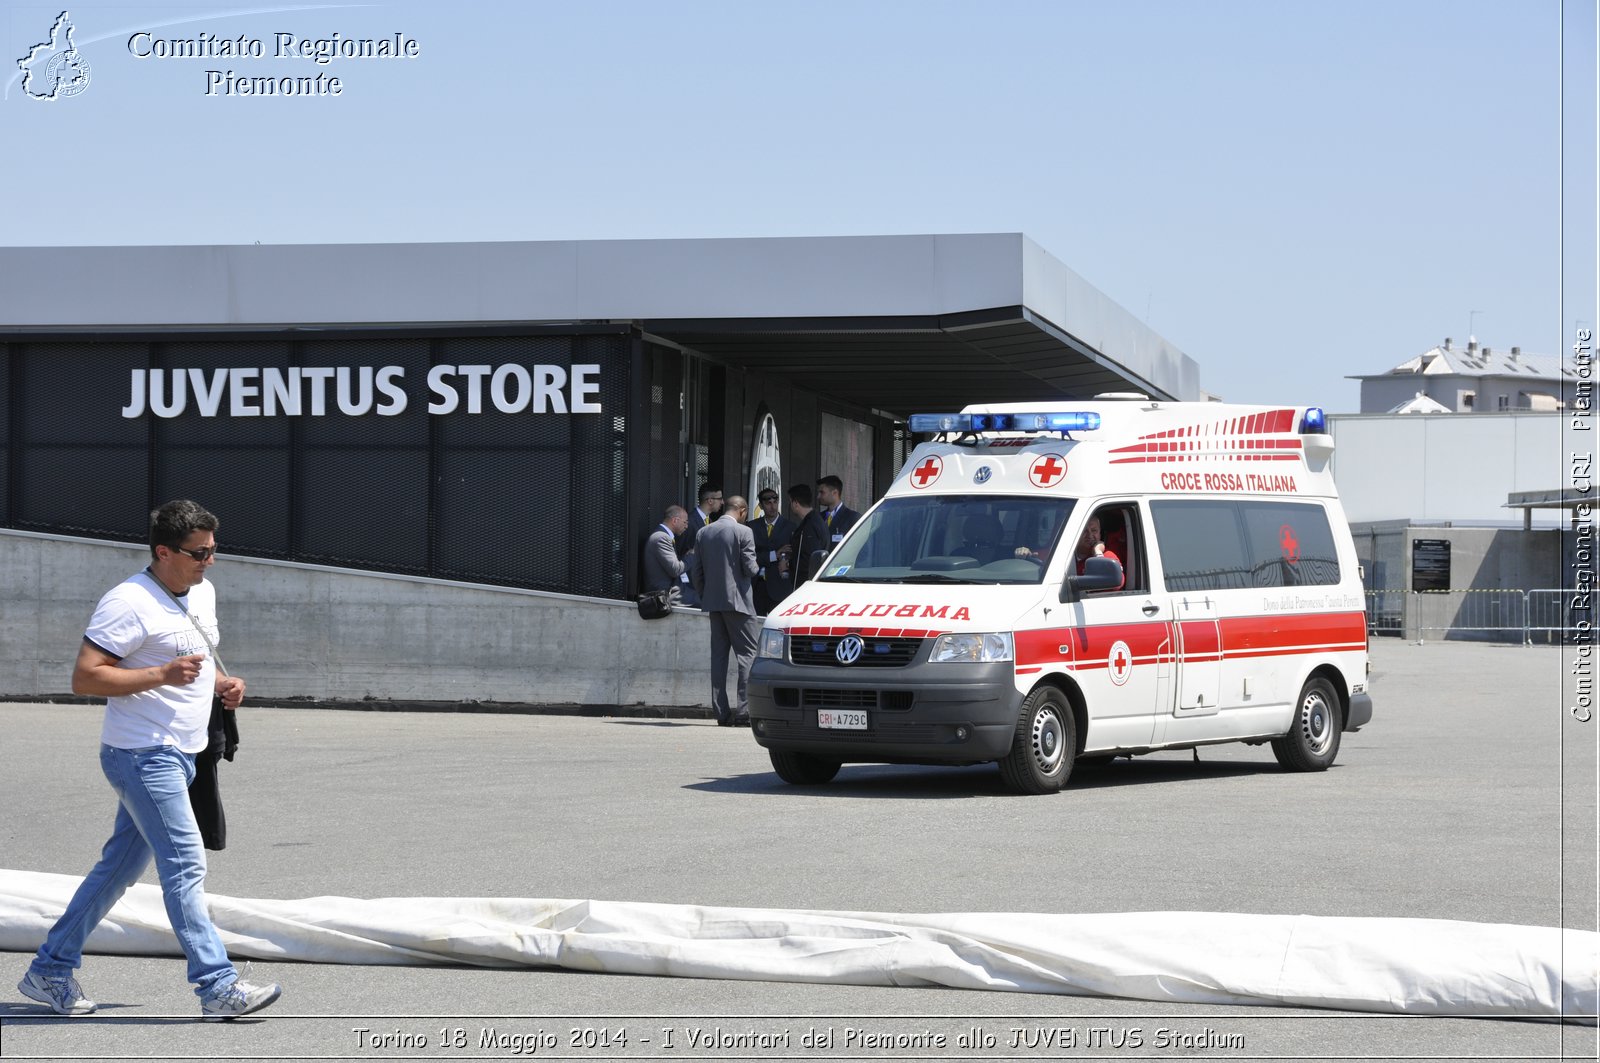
x=982, y=475
x=849, y=651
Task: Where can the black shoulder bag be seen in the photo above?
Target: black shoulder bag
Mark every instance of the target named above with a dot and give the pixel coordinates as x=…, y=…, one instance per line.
x=653, y=605
x=222, y=739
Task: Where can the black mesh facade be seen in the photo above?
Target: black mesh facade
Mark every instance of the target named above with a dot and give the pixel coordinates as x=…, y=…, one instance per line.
x=526, y=499
x=5, y=435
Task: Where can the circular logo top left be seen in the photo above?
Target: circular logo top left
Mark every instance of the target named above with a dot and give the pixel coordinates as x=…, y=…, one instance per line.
x=54, y=69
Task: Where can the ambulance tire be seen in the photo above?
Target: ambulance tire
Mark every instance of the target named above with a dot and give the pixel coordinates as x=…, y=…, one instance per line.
x=1313, y=740
x=1044, y=746
x=802, y=769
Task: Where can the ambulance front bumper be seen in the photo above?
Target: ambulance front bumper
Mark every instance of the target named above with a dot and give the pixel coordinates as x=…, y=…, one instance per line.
x=921, y=713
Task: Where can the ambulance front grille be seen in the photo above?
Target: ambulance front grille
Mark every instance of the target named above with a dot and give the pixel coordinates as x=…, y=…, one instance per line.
x=875, y=652
x=835, y=698
x=839, y=699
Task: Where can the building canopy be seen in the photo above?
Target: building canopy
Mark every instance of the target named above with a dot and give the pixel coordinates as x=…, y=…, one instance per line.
x=894, y=323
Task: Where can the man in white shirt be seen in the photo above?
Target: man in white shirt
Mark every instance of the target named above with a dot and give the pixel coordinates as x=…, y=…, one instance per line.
x=150, y=652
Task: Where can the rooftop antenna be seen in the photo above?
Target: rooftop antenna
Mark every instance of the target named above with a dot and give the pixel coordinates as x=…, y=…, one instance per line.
x=1472, y=333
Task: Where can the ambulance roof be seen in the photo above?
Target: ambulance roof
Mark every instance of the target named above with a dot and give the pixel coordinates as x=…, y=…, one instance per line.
x=1105, y=446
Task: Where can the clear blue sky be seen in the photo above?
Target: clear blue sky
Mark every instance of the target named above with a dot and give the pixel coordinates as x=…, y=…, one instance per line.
x=1289, y=192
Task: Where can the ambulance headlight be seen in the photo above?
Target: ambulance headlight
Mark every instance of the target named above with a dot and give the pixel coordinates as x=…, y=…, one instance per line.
x=972, y=649
x=772, y=644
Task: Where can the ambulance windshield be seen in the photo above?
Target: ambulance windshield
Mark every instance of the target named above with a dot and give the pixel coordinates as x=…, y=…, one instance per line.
x=952, y=538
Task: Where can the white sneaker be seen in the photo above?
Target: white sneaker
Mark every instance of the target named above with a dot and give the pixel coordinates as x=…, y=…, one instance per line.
x=64, y=995
x=239, y=998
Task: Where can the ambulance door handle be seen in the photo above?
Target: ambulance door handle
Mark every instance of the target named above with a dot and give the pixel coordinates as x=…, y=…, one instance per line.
x=1151, y=608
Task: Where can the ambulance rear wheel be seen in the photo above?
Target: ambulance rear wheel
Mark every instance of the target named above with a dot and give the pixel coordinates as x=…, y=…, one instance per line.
x=1043, y=748
x=802, y=769
x=1313, y=738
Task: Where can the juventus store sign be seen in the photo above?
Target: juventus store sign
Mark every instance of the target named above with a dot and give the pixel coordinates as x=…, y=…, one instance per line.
x=354, y=392
x=382, y=450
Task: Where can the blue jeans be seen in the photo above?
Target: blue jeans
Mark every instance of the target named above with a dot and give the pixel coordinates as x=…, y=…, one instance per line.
x=154, y=818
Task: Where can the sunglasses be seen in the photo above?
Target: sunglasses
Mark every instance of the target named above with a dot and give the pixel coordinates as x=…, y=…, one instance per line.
x=202, y=555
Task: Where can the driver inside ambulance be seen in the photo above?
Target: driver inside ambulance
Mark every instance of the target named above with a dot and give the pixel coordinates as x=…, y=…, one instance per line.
x=1090, y=544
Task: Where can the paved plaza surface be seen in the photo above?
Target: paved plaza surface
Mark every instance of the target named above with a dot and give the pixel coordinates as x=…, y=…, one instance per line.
x=1452, y=804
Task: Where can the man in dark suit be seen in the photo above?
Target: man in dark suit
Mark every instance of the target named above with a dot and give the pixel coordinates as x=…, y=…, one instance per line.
x=662, y=566
x=809, y=535
x=836, y=516
x=721, y=568
x=707, y=511
x=772, y=531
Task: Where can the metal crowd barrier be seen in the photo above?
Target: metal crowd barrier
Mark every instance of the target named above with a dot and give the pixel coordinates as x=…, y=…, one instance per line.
x=1386, y=612
x=1552, y=617
x=1544, y=616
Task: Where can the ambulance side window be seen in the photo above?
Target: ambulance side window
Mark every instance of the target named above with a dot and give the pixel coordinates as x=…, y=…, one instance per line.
x=1291, y=544
x=1211, y=544
x=1202, y=545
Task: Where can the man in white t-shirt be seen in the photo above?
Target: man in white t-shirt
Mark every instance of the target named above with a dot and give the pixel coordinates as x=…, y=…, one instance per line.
x=149, y=651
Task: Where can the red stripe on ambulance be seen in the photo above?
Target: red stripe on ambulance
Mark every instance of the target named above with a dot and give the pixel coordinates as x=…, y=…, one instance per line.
x=1088, y=648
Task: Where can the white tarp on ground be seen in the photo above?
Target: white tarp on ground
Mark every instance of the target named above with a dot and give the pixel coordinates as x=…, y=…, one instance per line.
x=1413, y=966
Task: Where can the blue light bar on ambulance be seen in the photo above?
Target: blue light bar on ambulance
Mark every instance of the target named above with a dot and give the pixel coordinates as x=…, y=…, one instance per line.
x=1314, y=422
x=1076, y=421
x=940, y=422
x=1068, y=421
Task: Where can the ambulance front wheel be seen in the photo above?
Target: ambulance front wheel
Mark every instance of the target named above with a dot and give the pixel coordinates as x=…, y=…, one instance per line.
x=1044, y=746
x=1313, y=738
x=802, y=769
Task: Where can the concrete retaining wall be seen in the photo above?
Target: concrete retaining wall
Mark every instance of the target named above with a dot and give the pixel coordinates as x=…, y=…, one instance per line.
x=1480, y=558
x=335, y=635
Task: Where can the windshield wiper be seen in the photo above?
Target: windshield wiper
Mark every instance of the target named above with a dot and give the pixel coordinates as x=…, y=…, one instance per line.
x=931, y=577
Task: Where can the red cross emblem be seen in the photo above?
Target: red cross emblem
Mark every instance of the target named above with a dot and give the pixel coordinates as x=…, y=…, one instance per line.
x=1120, y=662
x=927, y=472
x=1291, y=545
x=1047, y=469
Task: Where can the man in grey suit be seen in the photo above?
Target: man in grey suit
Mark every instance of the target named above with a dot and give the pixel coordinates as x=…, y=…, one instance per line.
x=662, y=566
x=721, y=569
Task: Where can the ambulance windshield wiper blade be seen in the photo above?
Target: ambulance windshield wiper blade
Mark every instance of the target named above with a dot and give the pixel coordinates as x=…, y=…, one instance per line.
x=931, y=577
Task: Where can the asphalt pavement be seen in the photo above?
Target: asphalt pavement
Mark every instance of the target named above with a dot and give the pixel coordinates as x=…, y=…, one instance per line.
x=1470, y=796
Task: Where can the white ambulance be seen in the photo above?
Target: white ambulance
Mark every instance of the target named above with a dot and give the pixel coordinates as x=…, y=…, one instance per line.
x=1046, y=584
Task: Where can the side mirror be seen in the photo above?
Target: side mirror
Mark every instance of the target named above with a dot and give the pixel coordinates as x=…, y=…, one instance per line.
x=1099, y=574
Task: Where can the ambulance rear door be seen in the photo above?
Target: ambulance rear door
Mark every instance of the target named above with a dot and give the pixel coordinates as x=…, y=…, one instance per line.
x=1199, y=646
x=1203, y=557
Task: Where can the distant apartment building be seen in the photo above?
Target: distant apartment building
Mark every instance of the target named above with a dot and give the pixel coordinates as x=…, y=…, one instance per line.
x=1472, y=379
